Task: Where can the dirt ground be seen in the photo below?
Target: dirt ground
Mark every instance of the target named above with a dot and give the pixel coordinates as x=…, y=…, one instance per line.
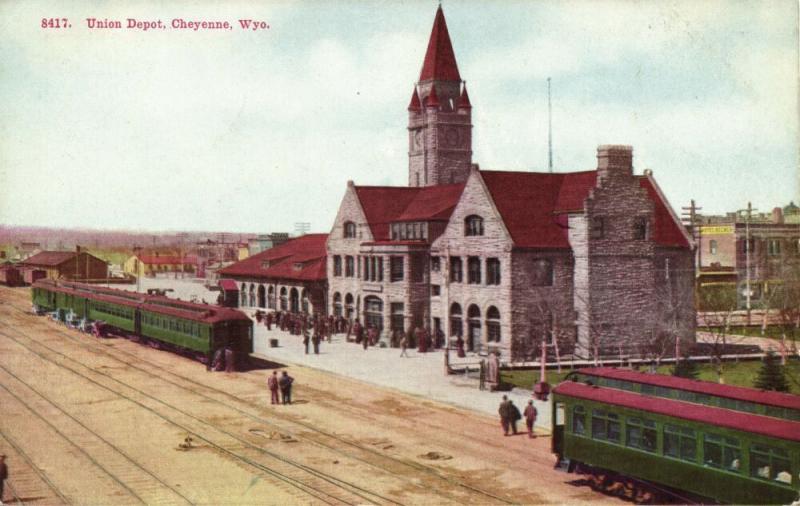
x=109, y=421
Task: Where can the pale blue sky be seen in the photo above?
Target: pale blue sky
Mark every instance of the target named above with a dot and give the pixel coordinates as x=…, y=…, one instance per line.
x=247, y=131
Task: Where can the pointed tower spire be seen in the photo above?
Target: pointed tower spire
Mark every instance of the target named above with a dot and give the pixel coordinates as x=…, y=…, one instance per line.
x=415, y=104
x=463, y=100
x=440, y=60
x=433, y=98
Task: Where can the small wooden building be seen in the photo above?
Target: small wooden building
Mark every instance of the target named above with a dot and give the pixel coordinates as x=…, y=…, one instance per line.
x=73, y=265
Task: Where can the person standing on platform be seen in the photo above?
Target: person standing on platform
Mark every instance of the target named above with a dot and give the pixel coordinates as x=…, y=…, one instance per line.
x=530, y=418
x=306, y=339
x=285, y=384
x=505, y=414
x=3, y=475
x=513, y=416
x=316, y=340
x=422, y=340
x=268, y=321
x=404, y=347
x=272, y=383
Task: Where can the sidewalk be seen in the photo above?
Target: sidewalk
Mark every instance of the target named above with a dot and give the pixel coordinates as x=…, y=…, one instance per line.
x=421, y=374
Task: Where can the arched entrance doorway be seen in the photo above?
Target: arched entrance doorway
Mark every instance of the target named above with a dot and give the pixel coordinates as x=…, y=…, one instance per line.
x=294, y=301
x=348, y=306
x=373, y=312
x=284, y=299
x=252, y=301
x=337, y=304
x=456, y=329
x=304, y=301
x=474, y=326
x=262, y=302
x=271, y=297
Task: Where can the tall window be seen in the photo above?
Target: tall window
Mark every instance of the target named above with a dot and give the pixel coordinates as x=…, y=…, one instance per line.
x=680, y=443
x=473, y=225
x=436, y=264
x=271, y=297
x=597, y=230
x=493, y=324
x=640, y=228
x=455, y=320
x=337, y=265
x=284, y=299
x=397, y=317
x=774, y=247
x=348, y=306
x=373, y=312
x=379, y=268
x=578, y=420
x=542, y=272
x=349, y=266
x=492, y=271
x=396, y=266
x=456, y=272
x=337, y=304
x=712, y=247
x=349, y=230
x=474, y=270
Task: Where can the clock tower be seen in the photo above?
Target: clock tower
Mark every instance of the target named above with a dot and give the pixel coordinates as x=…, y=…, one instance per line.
x=439, y=116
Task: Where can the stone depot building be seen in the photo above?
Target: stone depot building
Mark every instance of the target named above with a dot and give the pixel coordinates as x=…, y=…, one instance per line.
x=597, y=258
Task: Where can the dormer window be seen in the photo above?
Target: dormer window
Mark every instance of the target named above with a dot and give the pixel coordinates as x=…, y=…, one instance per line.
x=473, y=225
x=265, y=264
x=349, y=230
x=640, y=228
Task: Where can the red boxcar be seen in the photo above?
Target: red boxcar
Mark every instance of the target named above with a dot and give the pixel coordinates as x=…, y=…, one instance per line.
x=10, y=275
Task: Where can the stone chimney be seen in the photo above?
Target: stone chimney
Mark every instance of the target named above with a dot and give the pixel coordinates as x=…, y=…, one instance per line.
x=614, y=160
x=777, y=216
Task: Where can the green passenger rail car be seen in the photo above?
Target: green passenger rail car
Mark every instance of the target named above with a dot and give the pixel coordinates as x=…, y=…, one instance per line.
x=688, y=450
x=191, y=328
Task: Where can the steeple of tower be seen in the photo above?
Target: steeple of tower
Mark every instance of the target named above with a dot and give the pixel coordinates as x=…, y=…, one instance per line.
x=440, y=60
x=439, y=116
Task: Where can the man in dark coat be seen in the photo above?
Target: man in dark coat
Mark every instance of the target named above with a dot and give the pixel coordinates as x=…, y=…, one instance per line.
x=269, y=321
x=285, y=384
x=306, y=339
x=316, y=339
x=505, y=414
x=513, y=416
x=530, y=418
x=272, y=383
x=3, y=475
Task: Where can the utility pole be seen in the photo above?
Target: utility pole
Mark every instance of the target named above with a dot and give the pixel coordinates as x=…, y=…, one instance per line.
x=302, y=227
x=691, y=220
x=748, y=216
x=549, y=129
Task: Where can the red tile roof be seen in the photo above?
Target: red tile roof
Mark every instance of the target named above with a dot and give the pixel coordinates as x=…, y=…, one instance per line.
x=228, y=285
x=737, y=420
x=49, y=258
x=440, y=60
x=533, y=206
x=703, y=387
x=385, y=204
x=308, y=251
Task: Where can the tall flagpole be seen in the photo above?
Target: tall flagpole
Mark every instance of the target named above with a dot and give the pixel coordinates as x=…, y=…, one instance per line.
x=549, y=129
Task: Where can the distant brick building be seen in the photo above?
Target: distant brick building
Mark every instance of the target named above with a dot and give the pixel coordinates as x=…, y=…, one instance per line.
x=596, y=258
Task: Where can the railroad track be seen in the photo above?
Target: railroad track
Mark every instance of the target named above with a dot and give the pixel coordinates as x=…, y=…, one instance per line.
x=427, y=474
x=27, y=480
x=321, y=486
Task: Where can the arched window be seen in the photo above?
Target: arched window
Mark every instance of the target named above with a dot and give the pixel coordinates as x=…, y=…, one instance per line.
x=294, y=300
x=542, y=272
x=456, y=328
x=474, y=326
x=304, y=301
x=348, y=306
x=271, y=297
x=262, y=299
x=284, y=299
x=473, y=225
x=337, y=304
x=243, y=295
x=349, y=230
x=373, y=312
x=493, y=325
x=252, y=301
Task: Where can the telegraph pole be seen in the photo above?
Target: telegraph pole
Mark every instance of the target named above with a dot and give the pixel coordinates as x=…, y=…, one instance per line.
x=692, y=221
x=302, y=227
x=748, y=216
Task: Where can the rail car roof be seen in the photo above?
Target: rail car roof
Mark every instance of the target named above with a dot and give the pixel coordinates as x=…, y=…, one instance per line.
x=154, y=303
x=738, y=420
x=704, y=387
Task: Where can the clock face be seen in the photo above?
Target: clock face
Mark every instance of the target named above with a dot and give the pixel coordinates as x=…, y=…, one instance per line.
x=451, y=137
